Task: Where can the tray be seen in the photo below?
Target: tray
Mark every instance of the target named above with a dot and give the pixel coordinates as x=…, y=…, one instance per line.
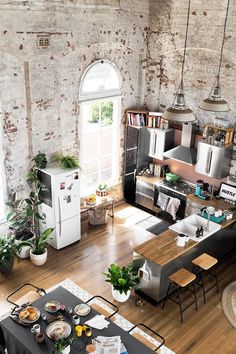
x=218, y=219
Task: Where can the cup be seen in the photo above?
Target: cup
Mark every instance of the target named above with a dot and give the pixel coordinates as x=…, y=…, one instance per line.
x=36, y=329
x=151, y=168
x=78, y=331
x=88, y=331
x=40, y=337
x=180, y=240
x=76, y=319
x=70, y=310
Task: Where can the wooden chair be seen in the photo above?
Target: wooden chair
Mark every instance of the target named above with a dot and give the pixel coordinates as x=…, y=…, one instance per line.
x=205, y=264
x=181, y=280
x=28, y=297
x=145, y=340
x=99, y=307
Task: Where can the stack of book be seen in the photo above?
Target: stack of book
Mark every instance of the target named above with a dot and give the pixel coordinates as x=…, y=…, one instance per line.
x=137, y=119
x=154, y=120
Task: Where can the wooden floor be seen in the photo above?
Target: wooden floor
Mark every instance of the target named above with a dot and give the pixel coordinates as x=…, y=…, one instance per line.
x=203, y=332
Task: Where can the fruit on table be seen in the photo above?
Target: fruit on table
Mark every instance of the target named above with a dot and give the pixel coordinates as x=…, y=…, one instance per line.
x=91, y=198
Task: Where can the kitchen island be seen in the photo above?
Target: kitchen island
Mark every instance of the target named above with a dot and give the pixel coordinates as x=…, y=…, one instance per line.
x=161, y=256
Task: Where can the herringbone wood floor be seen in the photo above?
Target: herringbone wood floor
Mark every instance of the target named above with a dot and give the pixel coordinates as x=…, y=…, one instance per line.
x=203, y=332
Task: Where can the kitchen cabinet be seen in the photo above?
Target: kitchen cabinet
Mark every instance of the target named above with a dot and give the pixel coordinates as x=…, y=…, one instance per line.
x=160, y=141
x=144, y=195
x=213, y=161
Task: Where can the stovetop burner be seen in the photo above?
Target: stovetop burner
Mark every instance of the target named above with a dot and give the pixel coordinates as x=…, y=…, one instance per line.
x=178, y=186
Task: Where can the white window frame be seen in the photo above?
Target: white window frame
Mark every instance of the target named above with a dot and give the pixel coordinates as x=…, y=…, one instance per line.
x=93, y=98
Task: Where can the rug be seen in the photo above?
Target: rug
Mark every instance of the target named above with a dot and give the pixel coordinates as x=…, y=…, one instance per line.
x=229, y=303
x=153, y=224
x=84, y=296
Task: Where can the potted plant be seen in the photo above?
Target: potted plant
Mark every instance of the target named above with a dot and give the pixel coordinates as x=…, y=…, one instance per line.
x=8, y=249
x=20, y=222
x=102, y=190
x=62, y=345
x=67, y=161
x=123, y=279
x=40, y=160
x=38, y=251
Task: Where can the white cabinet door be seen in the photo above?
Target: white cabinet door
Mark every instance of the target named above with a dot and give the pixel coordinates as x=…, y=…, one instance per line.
x=157, y=144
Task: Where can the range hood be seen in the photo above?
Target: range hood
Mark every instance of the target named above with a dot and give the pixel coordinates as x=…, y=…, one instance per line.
x=185, y=152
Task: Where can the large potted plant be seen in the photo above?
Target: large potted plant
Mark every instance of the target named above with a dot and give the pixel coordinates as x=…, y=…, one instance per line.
x=8, y=249
x=38, y=251
x=20, y=223
x=62, y=345
x=123, y=279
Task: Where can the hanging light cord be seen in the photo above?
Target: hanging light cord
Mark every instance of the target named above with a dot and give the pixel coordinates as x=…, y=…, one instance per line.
x=223, y=42
x=185, y=42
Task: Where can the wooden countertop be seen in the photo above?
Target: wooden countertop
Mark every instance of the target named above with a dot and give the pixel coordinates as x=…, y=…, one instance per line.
x=152, y=179
x=163, y=249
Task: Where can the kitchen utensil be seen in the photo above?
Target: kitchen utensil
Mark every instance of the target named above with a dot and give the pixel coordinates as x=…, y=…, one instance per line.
x=52, y=306
x=82, y=309
x=58, y=329
x=171, y=177
x=35, y=329
x=33, y=315
x=76, y=319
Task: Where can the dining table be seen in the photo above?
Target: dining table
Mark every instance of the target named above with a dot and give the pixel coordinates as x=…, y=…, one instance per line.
x=20, y=340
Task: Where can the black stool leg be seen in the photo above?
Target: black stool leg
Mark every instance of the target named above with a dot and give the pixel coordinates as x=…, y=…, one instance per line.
x=166, y=297
x=203, y=285
x=195, y=296
x=216, y=278
x=180, y=306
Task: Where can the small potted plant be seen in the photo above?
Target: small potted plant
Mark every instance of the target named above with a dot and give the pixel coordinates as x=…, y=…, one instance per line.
x=102, y=191
x=62, y=345
x=123, y=279
x=67, y=161
x=8, y=248
x=20, y=223
x=40, y=160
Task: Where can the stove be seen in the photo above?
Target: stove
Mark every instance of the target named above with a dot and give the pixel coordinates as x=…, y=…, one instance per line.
x=180, y=187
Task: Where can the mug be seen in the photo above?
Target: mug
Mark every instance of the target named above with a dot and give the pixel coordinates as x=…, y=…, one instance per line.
x=76, y=319
x=40, y=337
x=180, y=240
x=36, y=329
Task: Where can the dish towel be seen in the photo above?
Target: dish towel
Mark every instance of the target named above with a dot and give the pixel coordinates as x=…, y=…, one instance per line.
x=162, y=200
x=173, y=206
x=98, y=322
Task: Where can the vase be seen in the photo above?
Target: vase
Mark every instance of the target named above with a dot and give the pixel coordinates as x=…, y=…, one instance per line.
x=66, y=350
x=7, y=268
x=38, y=259
x=120, y=297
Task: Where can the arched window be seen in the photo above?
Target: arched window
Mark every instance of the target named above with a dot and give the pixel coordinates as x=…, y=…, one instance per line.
x=100, y=113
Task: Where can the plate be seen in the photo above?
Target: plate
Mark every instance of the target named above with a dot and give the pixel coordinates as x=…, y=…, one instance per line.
x=82, y=309
x=58, y=329
x=33, y=314
x=52, y=306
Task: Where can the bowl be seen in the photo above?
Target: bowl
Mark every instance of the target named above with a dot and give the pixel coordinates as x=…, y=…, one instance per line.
x=171, y=177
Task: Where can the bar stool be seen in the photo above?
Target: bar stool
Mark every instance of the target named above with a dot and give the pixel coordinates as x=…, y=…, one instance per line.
x=181, y=280
x=205, y=264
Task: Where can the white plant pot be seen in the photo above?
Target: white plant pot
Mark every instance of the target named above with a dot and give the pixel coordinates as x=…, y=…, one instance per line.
x=66, y=350
x=25, y=250
x=120, y=297
x=38, y=259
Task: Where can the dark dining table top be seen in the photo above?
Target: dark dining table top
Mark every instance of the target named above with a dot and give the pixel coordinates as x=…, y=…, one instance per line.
x=20, y=340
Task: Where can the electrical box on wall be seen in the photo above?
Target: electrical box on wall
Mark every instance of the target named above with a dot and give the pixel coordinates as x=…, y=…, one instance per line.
x=43, y=41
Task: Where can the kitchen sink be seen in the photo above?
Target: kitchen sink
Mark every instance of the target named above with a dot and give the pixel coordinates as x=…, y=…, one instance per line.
x=189, y=225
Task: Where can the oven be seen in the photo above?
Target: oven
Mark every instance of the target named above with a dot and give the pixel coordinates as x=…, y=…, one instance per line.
x=174, y=194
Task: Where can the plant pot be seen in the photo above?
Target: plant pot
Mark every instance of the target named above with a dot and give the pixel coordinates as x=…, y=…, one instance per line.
x=66, y=350
x=25, y=250
x=7, y=268
x=38, y=259
x=120, y=297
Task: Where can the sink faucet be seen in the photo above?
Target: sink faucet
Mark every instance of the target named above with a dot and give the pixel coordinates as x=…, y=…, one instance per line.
x=210, y=211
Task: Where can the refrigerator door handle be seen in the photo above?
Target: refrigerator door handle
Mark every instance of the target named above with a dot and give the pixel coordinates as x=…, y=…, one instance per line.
x=209, y=159
x=59, y=209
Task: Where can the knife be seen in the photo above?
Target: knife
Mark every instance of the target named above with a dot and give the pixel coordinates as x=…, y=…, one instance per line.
x=17, y=320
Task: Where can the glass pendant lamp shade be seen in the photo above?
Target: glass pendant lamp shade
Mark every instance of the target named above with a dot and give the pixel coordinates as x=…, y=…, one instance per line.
x=179, y=112
x=215, y=102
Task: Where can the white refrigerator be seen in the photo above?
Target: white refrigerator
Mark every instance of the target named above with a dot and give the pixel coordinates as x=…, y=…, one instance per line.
x=60, y=196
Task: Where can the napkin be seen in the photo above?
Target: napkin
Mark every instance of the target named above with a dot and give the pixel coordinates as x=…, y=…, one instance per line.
x=98, y=322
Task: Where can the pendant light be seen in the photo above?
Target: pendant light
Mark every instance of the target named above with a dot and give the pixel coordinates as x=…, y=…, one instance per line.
x=215, y=102
x=179, y=112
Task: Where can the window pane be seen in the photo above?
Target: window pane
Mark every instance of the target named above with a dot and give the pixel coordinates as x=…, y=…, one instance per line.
x=106, y=141
x=106, y=175
x=90, y=146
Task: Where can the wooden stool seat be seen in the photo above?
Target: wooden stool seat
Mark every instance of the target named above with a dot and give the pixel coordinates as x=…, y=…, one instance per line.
x=182, y=277
x=205, y=261
x=29, y=297
x=101, y=310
